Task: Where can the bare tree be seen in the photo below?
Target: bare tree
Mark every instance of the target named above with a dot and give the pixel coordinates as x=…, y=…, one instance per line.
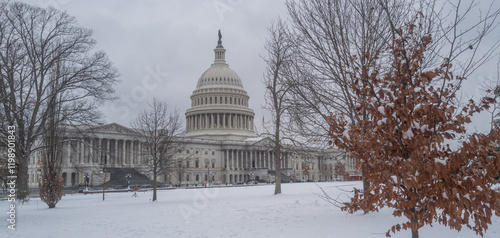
x=37, y=47
x=51, y=182
x=280, y=51
x=180, y=169
x=333, y=37
x=161, y=132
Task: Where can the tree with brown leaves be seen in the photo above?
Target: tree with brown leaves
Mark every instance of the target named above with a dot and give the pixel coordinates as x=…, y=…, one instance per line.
x=339, y=170
x=404, y=143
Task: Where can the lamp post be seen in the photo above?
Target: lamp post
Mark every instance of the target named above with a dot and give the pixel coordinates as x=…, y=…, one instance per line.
x=86, y=179
x=104, y=170
x=207, y=163
x=128, y=176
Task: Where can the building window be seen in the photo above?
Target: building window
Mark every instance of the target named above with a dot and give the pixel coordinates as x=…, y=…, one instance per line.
x=206, y=177
x=213, y=165
x=187, y=164
x=196, y=164
x=197, y=177
x=187, y=177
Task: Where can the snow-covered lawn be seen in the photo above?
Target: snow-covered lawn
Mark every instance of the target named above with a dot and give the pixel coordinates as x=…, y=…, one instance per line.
x=250, y=211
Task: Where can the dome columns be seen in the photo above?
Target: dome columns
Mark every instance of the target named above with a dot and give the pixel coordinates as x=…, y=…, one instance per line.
x=208, y=121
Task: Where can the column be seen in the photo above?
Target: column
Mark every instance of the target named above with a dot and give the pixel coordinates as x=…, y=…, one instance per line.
x=224, y=120
x=124, y=153
x=106, y=150
x=80, y=151
x=68, y=154
x=91, y=151
x=211, y=120
x=238, y=165
x=101, y=150
x=233, y=160
x=139, y=152
x=268, y=165
x=115, y=158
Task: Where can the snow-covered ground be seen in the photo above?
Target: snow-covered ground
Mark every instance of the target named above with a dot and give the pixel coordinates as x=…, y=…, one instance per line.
x=250, y=211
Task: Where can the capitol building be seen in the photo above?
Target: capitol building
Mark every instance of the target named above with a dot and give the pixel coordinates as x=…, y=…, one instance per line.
x=220, y=145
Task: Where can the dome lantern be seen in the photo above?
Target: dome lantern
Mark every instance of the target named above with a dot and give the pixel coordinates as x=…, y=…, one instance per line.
x=220, y=52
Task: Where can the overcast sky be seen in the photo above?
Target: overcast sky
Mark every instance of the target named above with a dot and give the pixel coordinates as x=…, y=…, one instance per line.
x=161, y=48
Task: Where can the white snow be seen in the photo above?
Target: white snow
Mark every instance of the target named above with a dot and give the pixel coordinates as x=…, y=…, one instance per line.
x=249, y=211
x=408, y=134
x=381, y=110
x=382, y=121
x=346, y=134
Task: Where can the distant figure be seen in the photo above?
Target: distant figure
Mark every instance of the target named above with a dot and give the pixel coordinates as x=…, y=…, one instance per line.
x=220, y=36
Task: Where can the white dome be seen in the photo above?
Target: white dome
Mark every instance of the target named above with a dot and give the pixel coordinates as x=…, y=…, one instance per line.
x=219, y=104
x=219, y=75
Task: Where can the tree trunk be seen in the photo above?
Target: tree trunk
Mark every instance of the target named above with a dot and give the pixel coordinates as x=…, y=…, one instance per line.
x=414, y=234
x=277, y=159
x=154, y=184
x=22, y=179
x=366, y=187
x=277, y=187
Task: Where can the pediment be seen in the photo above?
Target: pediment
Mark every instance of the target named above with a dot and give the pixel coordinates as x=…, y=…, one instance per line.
x=114, y=128
x=261, y=141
